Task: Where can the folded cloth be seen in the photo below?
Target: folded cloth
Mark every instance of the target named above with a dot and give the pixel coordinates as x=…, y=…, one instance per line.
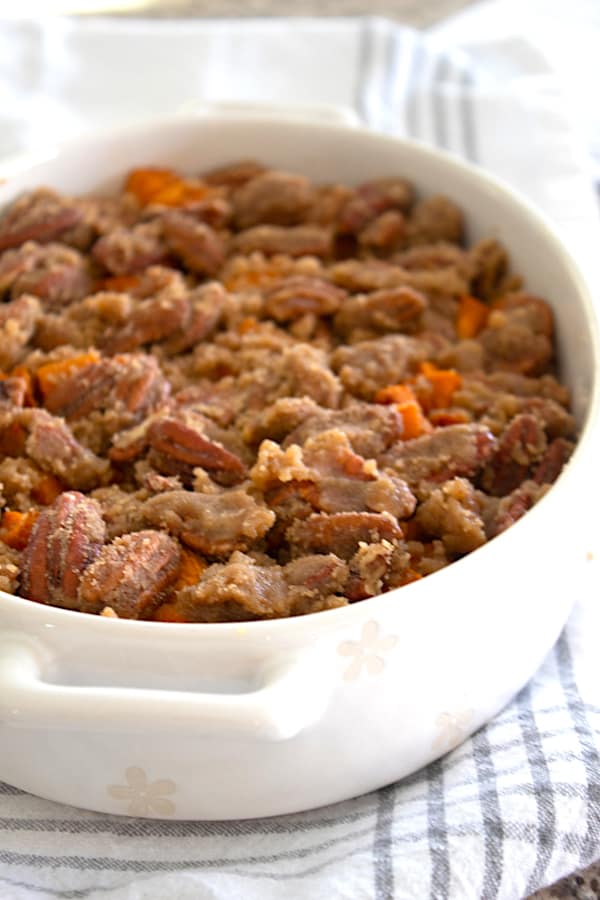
x=516, y=806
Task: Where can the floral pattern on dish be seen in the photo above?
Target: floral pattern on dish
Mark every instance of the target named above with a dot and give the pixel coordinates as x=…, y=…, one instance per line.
x=367, y=652
x=145, y=798
x=451, y=730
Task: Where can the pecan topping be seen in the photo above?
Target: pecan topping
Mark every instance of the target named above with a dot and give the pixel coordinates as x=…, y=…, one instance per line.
x=516, y=504
x=18, y=320
x=126, y=250
x=14, y=263
x=342, y=481
x=131, y=575
x=215, y=524
x=204, y=309
x=13, y=392
x=52, y=446
x=435, y=219
x=130, y=385
x=198, y=245
x=389, y=309
x=58, y=275
x=65, y=540
x=451, y=513
x=179, y=443
x=234, y=175
x=553, y=461
x=521, y=445
x=273, y=198
x=280, y=396
x=40, y=216
x=518, y=335
x=386, y=232
x=297, y=296
x=299, y=240
x=341, y=533
x=373, y=198
x=150, y=321
x=461, y=450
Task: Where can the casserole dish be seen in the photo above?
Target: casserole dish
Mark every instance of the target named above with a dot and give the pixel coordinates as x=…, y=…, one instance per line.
x=233, y=720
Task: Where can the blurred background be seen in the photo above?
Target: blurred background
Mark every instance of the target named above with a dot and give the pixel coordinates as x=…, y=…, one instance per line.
x=419, y=13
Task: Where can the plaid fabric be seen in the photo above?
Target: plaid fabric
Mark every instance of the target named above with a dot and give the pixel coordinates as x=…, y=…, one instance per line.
x=513, y=808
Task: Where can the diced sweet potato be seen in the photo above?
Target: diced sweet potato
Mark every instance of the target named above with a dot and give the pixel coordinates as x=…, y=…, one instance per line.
x=16, y=527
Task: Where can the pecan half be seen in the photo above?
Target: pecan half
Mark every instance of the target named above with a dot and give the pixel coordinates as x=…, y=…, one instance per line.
x=235, y=174
x=128, y=386
x=196, y=244
x=389, y=309
x=298, y=240
x=58, y=275
x=52, y=446
x=371, y=429
x=40, y=216
x=65, y=540
x=131, y=575
x=518, y=335
x=386, y=232
x=18, y=320
x=180, y=447
x=274, y=198
x=299, y=295
x=14, y=263
x=553, y=461
x=341, y=533
x=519, y=447
x=151, y=320
x=516, y=504
x=434, y=219
x=455, y=450
x=372, y=198
x=205, y=308
x=124, y=251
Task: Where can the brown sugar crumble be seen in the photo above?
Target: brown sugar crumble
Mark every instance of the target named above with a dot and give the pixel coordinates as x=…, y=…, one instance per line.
x=243, y=395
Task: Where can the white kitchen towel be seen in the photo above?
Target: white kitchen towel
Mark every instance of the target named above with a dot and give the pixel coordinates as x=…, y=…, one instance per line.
x=516, y=806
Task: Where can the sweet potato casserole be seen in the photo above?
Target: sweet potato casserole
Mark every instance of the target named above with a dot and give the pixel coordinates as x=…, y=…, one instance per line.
x=245, y=396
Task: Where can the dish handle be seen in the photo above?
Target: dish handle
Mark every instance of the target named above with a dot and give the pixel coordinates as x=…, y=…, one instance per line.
x=292, y=696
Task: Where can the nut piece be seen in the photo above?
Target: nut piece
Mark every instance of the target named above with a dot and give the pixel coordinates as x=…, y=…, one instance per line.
x=388, y=309
x=275, y=198
x=58, y=275
x=131, y=575
x=53, y=447
x=196, y=244
x=179, y=447
x=296, y=296
x=341, y=533
x=213, y=524
x=40, y=216
x=65, y=540
x=522, y=444
x=298, y=240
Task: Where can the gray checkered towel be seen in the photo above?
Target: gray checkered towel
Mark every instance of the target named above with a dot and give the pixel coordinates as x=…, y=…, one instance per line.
x=518, y=805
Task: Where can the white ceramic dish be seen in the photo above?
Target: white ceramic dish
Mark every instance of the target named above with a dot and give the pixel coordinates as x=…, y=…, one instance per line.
x=226, y=721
